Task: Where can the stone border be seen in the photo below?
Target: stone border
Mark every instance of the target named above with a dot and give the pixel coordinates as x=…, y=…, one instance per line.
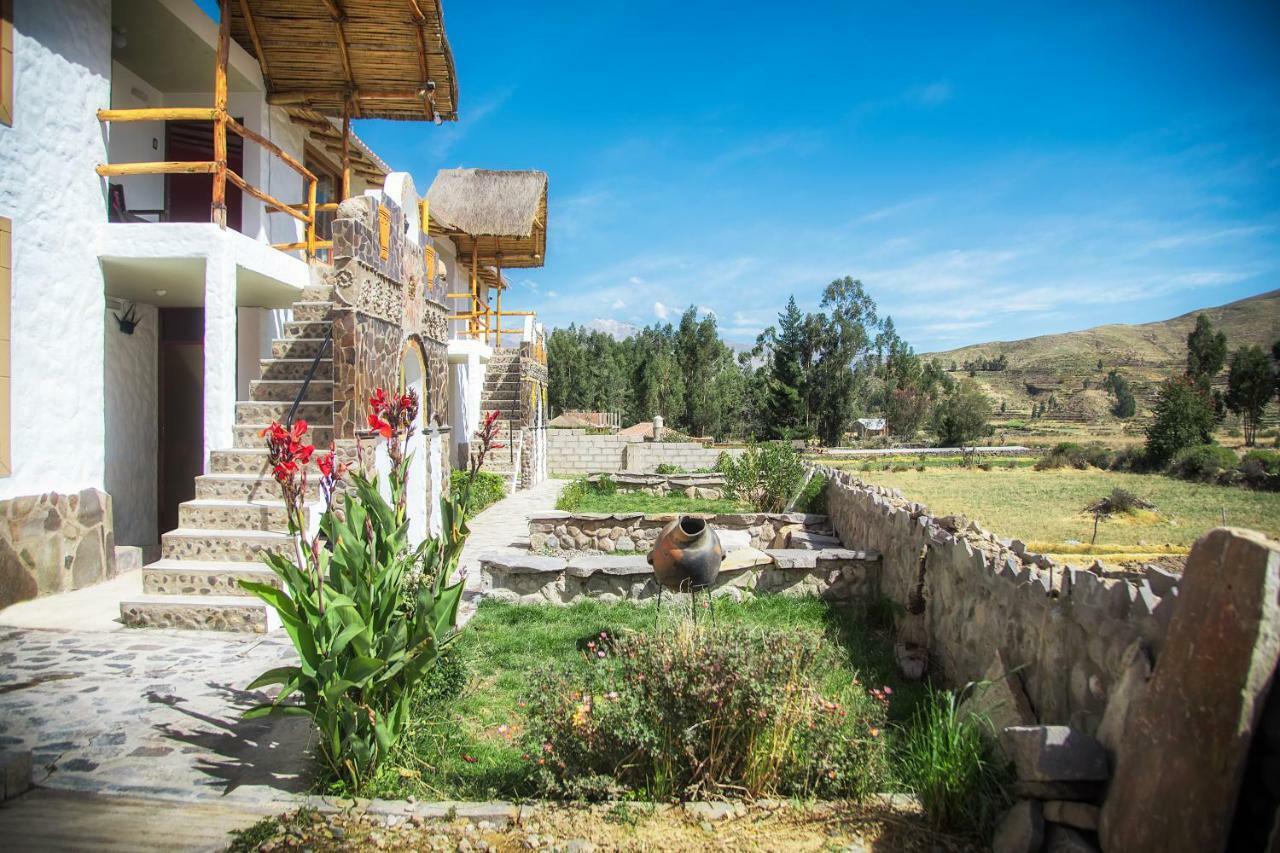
x=706, y=486
x=833, y=574
x=552, y=532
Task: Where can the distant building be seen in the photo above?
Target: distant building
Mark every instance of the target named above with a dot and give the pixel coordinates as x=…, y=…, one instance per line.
x=867, y=427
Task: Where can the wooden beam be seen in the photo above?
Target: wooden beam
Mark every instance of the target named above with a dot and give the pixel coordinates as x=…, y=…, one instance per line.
x=158, y=167
x=263, y=197
x=300, y=96
x=311, y=218
x=160, y=114
x=293, y=247
x=253, y=37
x=288, y=159
x=219, y=205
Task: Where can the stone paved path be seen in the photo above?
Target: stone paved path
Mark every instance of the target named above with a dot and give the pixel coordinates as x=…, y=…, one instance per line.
x=503, y=527
x=156, y=714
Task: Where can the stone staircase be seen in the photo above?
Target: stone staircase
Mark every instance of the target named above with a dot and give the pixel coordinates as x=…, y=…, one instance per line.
x=502, y=389
x=237, y=514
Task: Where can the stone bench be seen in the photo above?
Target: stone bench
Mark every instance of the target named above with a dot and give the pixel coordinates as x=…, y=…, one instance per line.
x=833, y=574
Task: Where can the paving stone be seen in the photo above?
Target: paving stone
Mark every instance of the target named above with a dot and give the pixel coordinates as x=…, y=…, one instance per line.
x=1021, y=830
x=1054, y=754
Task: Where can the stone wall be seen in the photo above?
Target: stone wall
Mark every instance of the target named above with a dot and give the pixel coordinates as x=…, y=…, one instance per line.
x=833, y=574
x=54, y=543
x=559, y=531
x=1072, y=633
x=707, y=486
x=575, y=451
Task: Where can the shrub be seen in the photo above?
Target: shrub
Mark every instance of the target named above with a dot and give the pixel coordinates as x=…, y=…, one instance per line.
x=668, y=468
x=703, y=712
x=1129, y=459
x=1183, y=417
x=945, y=760
x=486, y=488
x=1205, y=462
x=573, y=495
x=1069, y=454
x=961, y=416
x=766, y=476
x=813, y=497
x=1266, y=461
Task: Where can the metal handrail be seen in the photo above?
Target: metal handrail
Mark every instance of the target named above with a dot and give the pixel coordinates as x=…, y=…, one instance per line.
x=306, y=383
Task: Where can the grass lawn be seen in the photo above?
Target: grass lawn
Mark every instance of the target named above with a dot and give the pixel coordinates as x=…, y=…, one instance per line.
x=470, y=746
x=640, y=502
x=1043, y=508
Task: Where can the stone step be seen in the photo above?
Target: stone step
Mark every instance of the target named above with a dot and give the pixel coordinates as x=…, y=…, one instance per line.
x=298, y=347
x=308, y=329
x=225, y=514
x=247, y=437
x=199, y=612
x=200, y=577
x=309, y=311
x=260, y=412
x=286, y=390
x=250, y=461
x=296, y=368
x=317, y=293
x=246, y=487
x=237, y=546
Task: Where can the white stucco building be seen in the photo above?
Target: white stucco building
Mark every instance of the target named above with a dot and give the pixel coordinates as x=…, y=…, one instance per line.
x=130, y=322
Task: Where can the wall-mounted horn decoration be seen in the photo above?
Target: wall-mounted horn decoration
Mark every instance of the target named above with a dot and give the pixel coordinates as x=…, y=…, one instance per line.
x=129, y=320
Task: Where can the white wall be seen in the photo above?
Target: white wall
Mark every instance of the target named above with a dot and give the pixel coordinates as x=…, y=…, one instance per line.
x=132, y=364
x=62, y=67
x=137, y=141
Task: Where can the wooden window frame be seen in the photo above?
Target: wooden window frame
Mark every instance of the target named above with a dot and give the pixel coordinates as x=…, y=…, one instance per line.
x=6, y=62
x=6, y=370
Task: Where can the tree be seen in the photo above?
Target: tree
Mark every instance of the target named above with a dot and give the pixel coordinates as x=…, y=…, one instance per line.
x=961, y=416
x=906, y=411
x=1183, y=417
x=1250, y=384
x=1125, y=405
x=784, y=402
x=1206, y=351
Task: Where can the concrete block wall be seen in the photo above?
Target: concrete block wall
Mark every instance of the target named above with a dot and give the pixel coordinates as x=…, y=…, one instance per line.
x=689, y=455
x=573, y=451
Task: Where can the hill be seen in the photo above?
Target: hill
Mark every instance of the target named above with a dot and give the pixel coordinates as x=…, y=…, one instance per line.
x=1065, y=371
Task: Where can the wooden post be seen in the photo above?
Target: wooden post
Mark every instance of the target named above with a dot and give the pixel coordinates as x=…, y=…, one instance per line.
x=311, y=219
x=219, y=206
x=497, y=335
x=346, y=150
x=474, y=323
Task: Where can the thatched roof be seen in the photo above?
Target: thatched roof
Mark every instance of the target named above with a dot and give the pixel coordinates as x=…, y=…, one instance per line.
x=390, y=57
x=326, y=133
x=499, y=215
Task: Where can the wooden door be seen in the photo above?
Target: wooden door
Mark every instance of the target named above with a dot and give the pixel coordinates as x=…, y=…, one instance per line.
x=181, y=408
x=188, y=198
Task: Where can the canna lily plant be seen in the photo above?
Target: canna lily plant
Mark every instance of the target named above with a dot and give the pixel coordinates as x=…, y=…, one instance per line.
x=368, y=613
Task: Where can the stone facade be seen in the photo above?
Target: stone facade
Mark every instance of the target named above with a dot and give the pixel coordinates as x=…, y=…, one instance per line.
x=834, y=575
x=1073, y=634
x=55, y=543
x=557, y=531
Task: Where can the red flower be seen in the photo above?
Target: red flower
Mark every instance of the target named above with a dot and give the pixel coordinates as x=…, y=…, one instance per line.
x=378, y=424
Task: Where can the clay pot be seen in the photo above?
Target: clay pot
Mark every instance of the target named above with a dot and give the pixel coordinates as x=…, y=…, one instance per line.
x=687, y=555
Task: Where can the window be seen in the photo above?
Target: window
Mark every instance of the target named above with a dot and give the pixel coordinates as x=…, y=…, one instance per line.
x=6, y=61
x=6, y=287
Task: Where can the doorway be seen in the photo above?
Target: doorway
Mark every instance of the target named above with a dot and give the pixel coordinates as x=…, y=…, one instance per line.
x=188, y=198
x=181, y=410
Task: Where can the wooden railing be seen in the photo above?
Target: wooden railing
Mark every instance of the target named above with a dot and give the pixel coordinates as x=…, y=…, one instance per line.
x=485, y=323
x=304, y=213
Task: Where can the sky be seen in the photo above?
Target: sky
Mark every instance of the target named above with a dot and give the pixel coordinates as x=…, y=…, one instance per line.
x=988, y=171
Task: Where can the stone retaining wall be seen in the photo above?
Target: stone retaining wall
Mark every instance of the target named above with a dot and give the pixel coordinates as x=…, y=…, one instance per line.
x=707, y=486
x=834, y=574
x=560, y=531
x=1071, y=633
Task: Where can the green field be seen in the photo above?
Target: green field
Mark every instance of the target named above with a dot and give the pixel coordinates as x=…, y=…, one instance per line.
x=1044, y=508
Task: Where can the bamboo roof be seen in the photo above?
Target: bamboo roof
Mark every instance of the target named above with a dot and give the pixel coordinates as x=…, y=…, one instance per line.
x=501, y=216
x=326, y=133
x=390, y=58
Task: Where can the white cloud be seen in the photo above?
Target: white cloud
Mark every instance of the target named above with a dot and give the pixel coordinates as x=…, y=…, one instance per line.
x=635, y=279
x=614, y=328
x=706, y=309
x=661, y=311
x=618, y=305
x=930, y=95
